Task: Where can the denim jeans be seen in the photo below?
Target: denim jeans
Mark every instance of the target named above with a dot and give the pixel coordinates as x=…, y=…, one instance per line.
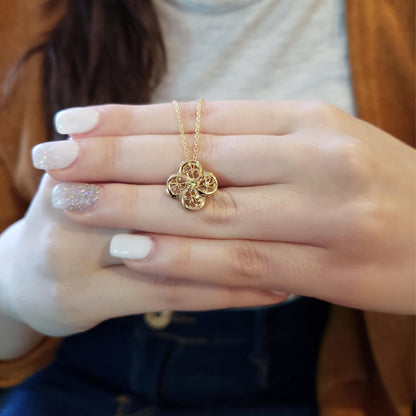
x=246, y=362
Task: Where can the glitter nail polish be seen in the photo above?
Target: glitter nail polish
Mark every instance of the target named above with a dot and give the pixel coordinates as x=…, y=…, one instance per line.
x=55, y=155
x=79, y=197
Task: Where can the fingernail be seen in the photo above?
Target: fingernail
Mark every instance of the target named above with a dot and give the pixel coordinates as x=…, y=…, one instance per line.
x=276, y=292
x=55, y=155
x=131, y=246
x=77, y=197
x=76, y=120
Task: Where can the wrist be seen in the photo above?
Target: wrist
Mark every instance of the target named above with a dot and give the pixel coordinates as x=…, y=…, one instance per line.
x=8, y=240
x=16, y=337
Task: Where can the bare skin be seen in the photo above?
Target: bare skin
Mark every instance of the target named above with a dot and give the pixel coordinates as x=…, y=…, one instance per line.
x=312, y=201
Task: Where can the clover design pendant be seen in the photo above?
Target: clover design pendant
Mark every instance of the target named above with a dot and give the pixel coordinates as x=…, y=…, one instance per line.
x=192, y=185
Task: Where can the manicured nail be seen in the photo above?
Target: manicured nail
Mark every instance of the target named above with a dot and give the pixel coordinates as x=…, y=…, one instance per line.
x=131, y=246
x=76, y=120
x=77, y=197
x=55, y=155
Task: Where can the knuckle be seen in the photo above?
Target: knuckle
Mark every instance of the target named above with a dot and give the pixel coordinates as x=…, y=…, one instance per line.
x=221, y=208
x=188, y=113
x=169, y=292
x=368, y=219
x=121, y=117
x=210, y=111
x=127, y=120
x=111, y=155
x=322, y=111
x=363, y=225
x=248, y=261
x=189, y=110
x=130, y=200
x=209, y=148
x=182, y=258
x=352, y=158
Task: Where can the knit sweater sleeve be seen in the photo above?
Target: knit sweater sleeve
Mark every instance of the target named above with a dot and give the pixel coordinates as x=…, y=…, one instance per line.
x=21, y=119
x=13, y=372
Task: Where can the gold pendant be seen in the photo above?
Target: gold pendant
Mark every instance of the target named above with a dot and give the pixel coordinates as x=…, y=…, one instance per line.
x=192, y=185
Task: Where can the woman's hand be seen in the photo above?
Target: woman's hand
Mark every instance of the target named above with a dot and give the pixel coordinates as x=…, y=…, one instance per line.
x=312, y=201
x=59, y=278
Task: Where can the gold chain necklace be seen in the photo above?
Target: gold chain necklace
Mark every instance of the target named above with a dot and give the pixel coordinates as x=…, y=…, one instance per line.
x=191, y=184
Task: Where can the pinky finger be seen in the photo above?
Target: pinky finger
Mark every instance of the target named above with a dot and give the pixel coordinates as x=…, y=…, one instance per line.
x=126, y=292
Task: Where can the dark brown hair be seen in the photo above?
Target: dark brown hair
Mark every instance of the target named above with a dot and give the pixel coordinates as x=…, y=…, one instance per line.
x=100, y=52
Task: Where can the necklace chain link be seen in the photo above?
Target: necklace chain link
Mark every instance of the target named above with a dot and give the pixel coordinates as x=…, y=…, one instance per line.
x=182, y=129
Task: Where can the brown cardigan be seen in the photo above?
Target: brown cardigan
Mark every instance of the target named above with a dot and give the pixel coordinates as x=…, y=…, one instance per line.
x=366, y=364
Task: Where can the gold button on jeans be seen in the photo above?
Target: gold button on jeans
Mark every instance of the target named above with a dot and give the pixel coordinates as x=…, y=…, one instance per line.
x=158, y=320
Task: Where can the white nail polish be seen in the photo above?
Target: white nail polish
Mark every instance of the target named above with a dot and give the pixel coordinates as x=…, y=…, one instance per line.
x=131, y=246
x=76, y=120
x=55, y=155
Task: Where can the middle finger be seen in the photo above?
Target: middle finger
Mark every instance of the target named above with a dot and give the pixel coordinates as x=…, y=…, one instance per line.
x=235, y=160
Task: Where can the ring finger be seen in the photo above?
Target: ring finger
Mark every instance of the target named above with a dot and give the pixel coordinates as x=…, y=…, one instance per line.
x=229, y=213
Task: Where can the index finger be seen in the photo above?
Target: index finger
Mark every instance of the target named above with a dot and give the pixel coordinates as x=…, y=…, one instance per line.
x=218, y=117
